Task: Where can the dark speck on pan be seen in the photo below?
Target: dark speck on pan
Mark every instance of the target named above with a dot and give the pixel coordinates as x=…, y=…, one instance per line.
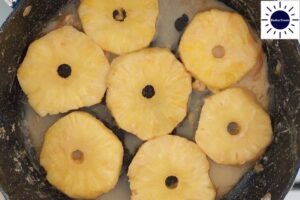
x=181, y=22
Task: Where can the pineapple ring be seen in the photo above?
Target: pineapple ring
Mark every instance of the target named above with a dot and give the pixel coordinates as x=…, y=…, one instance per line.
x=210, y=53
x=170, y=167
x=82, y=157
x=233, y=128
x=148, y=92
x=120, y=26
x=63, y=71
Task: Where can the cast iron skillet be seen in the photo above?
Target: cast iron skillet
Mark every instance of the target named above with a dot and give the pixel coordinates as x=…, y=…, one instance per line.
x=22, y=178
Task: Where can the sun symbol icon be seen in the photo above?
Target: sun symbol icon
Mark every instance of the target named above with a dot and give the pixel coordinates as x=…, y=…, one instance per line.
x=280, y=19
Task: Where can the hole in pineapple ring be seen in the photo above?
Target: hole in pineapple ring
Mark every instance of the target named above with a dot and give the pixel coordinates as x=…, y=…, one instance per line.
x=77, y=156
x=64, y=70
x=233, y=128
x=171, y=182
x=119, y=14
x=148, y=91
x=218, y=51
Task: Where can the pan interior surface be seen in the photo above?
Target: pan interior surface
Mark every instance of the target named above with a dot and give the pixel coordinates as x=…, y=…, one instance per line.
x=22, y=177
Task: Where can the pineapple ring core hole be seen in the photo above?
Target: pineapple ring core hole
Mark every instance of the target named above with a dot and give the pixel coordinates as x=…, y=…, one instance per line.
x=77, y=156
x=119, y=14
x=148, y=91
x=171, y=182
x=218, y=51
x=233, y=128
x=64, y=70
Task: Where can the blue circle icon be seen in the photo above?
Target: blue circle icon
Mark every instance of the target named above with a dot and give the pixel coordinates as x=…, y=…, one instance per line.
x=280, y=19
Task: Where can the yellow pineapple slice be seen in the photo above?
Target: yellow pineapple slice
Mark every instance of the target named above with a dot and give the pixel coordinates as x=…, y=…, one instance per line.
x=218, y=48
x=170, y=168
x=82, y=157
x=233, y=128
x=148, y=92
x=63, y=70
x=120, y=26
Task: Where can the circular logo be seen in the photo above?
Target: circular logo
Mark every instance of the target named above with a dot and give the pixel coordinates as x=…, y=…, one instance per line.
x=280, y=19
